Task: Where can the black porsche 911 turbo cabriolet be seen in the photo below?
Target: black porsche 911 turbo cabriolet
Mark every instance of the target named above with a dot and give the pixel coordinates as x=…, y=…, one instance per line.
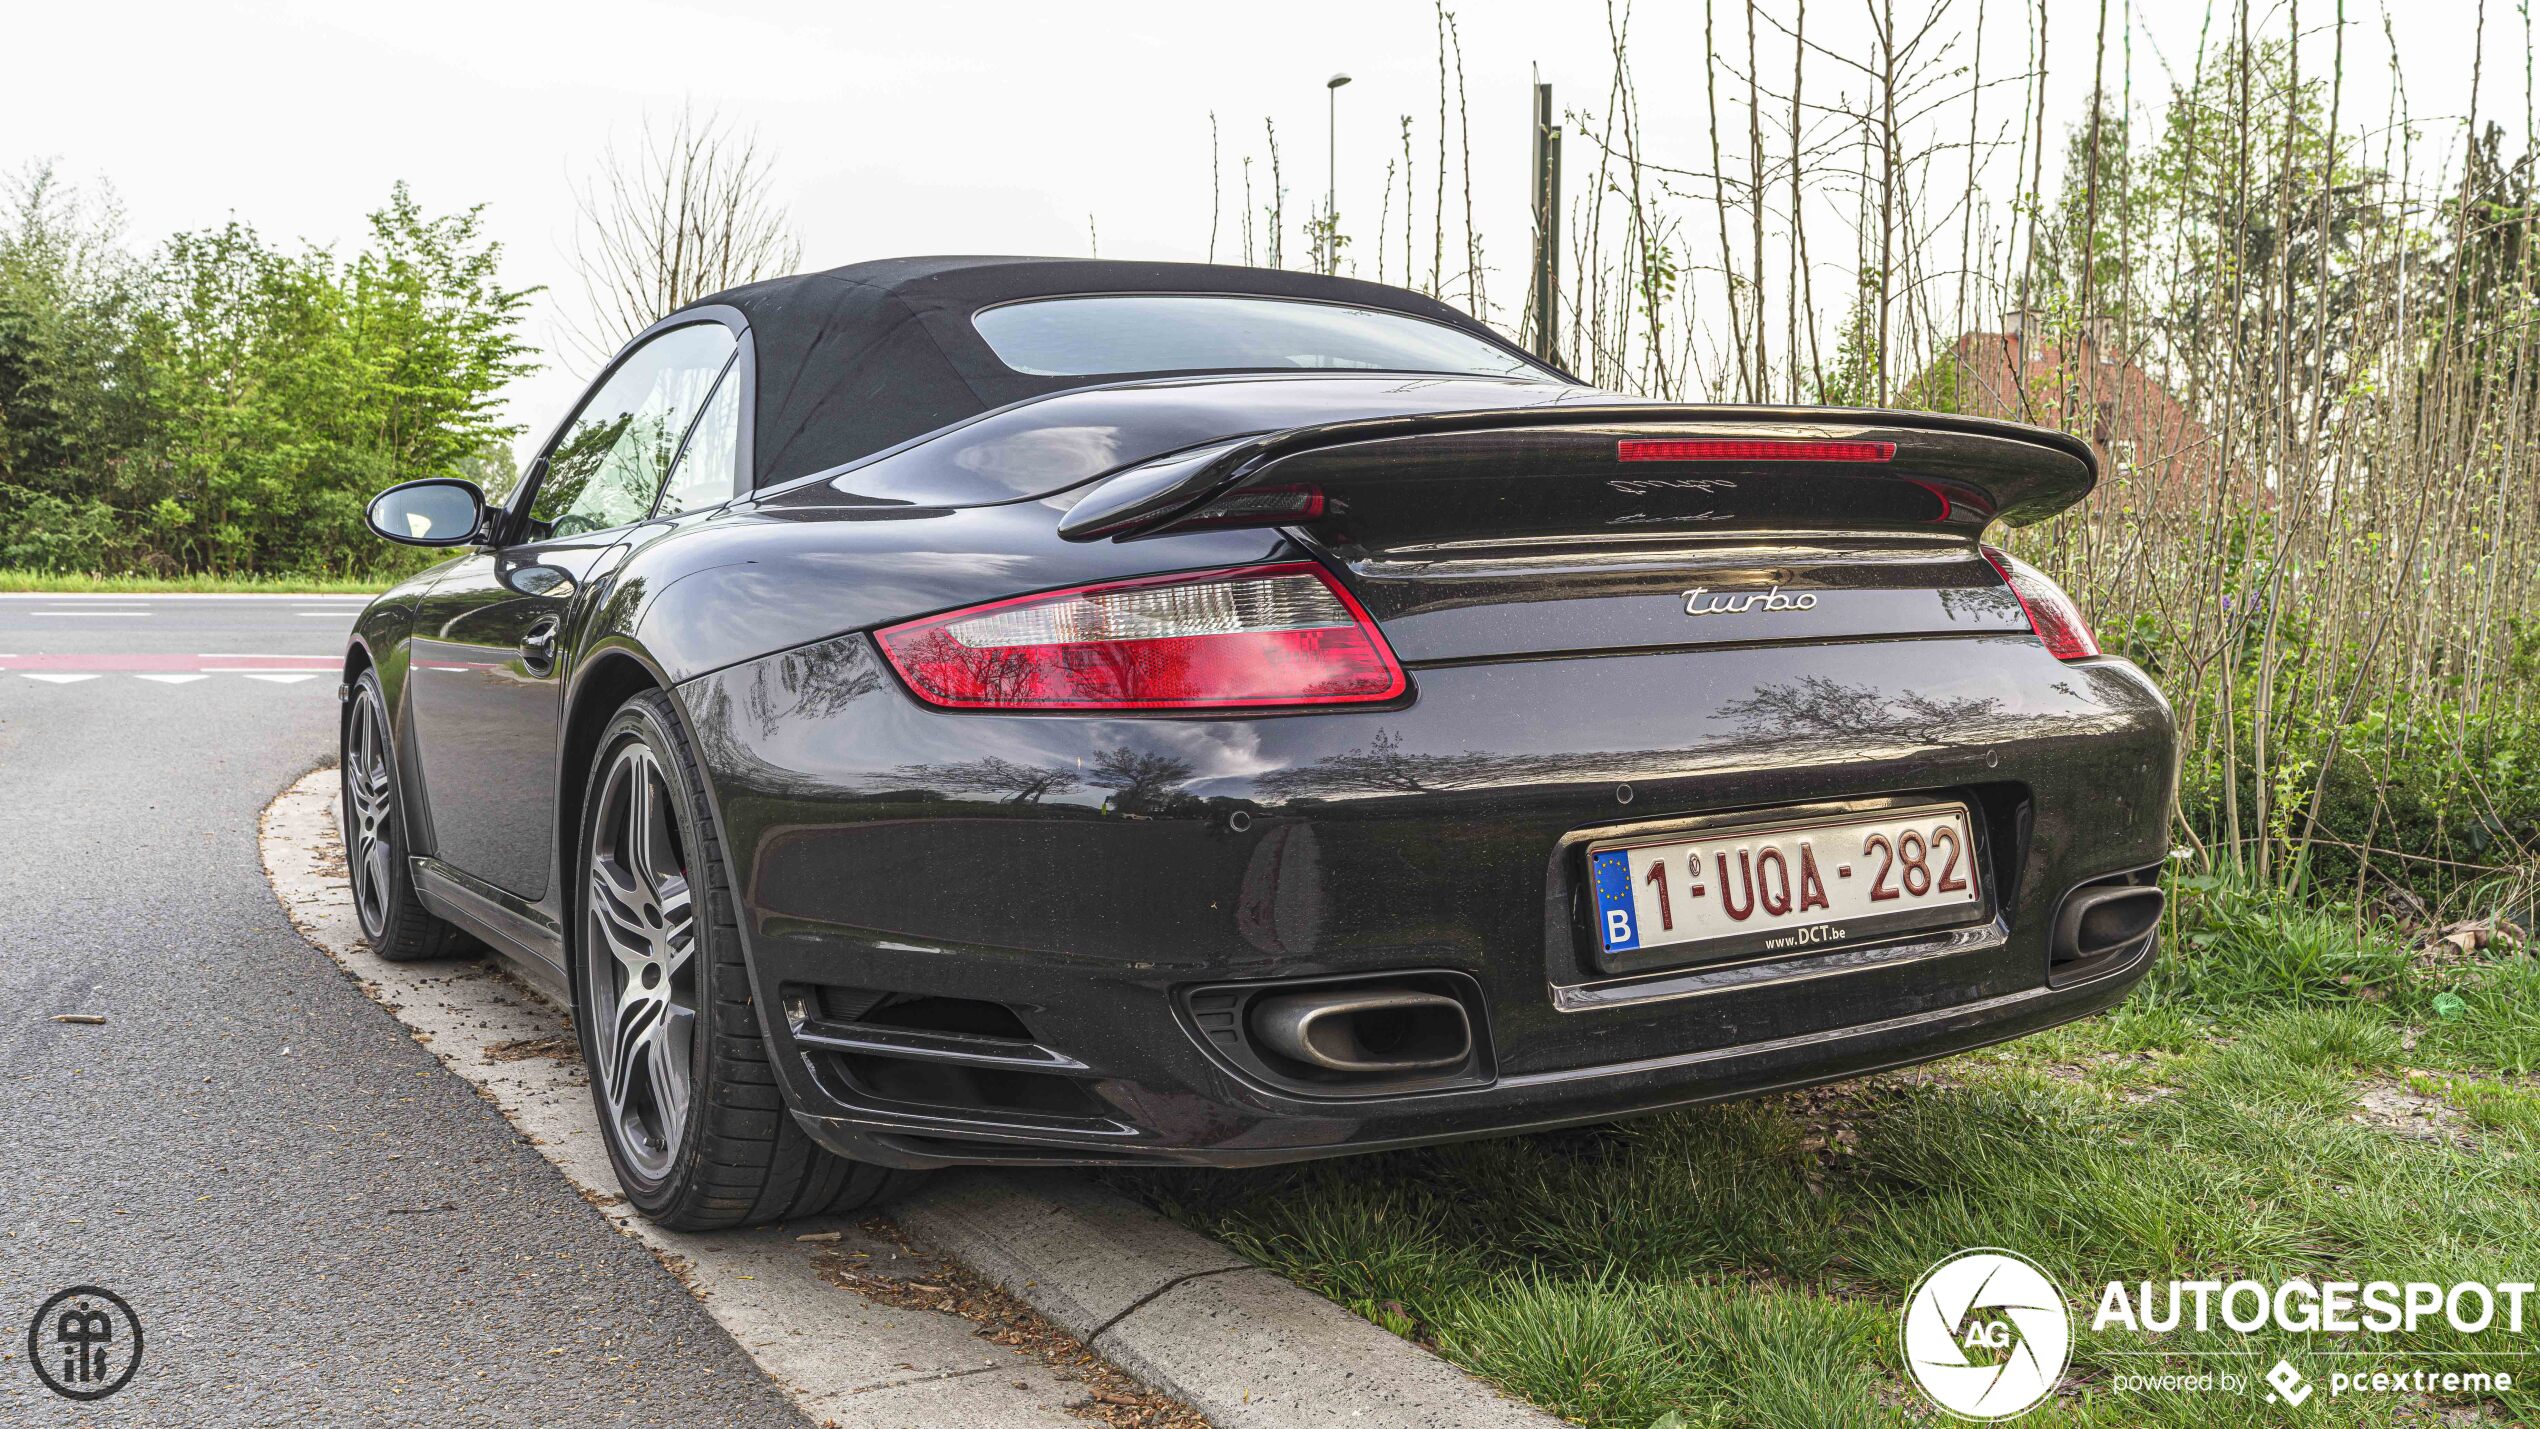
x=989, y=710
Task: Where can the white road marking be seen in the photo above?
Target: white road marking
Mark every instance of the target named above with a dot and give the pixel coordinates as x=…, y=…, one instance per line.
x=118, y=598
x=58, y=679
x=273, y=679
x=135, y=614
x=172, y=679
x=846, y=1361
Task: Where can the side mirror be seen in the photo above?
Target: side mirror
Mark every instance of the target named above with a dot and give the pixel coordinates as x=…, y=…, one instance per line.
x=436, y=511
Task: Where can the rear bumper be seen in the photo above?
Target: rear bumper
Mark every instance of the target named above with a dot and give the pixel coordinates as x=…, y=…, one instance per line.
x=1082, y=875
x=1261, y=1130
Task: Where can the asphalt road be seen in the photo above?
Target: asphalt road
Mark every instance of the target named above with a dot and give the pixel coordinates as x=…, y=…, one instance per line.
x=314, y=1221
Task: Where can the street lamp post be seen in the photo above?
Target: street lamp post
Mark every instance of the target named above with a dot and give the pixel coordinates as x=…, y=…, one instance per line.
x=1332, y=171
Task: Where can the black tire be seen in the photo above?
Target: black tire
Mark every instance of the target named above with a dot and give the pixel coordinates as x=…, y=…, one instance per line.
x=657, y=949
x=395, y=921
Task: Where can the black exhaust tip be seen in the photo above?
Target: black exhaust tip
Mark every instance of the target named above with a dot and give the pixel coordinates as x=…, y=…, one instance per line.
x=2100, y=925
x=1357, y=1030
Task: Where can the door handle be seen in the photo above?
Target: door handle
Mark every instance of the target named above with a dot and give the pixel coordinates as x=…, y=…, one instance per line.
x=538, y=646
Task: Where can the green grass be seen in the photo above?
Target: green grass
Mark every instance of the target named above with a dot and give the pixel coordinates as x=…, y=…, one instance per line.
x=1745, y=1264
x=14, y=582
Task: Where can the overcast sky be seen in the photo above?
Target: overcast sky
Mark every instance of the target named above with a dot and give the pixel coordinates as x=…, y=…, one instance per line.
x=915, y=128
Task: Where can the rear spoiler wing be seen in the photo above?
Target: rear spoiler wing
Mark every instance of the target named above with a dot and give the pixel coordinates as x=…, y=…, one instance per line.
x=1617, y=469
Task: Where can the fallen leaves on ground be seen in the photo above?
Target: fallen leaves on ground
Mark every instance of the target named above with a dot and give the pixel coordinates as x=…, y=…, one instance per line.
x=1111, y=1397
x=558, y=1048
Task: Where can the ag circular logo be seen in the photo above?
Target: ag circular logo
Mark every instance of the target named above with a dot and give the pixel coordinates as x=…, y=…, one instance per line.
x=1986, y=1334
x=85, y=1343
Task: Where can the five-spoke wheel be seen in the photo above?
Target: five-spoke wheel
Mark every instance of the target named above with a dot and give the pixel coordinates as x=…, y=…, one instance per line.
x=369, y=844
x=681, y=1071
x=640, y=941
x=395, y=921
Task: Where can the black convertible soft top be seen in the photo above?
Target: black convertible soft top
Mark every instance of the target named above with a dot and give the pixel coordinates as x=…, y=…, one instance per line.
x=857, y=359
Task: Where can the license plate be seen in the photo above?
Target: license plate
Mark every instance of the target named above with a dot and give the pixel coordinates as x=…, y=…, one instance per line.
x=1784, y=886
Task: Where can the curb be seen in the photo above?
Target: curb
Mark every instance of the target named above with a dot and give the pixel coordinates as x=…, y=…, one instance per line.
x=1242, y=1345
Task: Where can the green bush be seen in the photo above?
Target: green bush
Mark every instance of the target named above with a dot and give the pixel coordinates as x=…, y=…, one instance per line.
x=225, y=406
x=2240, y=948
x=2423, y=801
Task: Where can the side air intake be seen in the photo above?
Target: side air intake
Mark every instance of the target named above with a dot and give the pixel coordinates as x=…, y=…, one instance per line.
x=950, y=1056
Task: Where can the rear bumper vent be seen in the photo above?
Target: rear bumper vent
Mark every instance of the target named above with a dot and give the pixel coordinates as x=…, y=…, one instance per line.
x=942, y=1056
x=955, y=1016
x=1382, y=1034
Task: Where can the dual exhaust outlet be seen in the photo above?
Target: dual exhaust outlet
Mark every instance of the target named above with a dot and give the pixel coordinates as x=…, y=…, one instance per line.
x=1380, y=1032
x=1359, y=1030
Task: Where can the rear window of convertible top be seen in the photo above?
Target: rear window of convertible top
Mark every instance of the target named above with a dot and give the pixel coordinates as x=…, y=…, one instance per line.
x=1193, y=332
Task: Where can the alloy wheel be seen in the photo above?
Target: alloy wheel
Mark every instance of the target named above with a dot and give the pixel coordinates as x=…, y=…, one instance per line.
x=639, y=966
x=366, y=808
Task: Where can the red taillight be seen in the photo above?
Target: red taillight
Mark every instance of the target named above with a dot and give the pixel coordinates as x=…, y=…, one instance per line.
x=1718, y=450
x=2051, y=613
x=1255, y=636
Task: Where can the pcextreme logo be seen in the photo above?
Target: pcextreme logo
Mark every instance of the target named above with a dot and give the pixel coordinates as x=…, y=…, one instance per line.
x=1986, y=1334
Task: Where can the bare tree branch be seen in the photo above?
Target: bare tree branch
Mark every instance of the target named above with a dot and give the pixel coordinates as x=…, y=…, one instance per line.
x=688, y=212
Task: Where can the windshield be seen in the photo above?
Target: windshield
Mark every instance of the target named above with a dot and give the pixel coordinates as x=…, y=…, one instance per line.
x=1180, y=332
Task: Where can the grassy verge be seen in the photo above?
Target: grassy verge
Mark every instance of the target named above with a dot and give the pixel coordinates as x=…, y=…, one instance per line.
x=2284, y=1099
x=59, y=583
